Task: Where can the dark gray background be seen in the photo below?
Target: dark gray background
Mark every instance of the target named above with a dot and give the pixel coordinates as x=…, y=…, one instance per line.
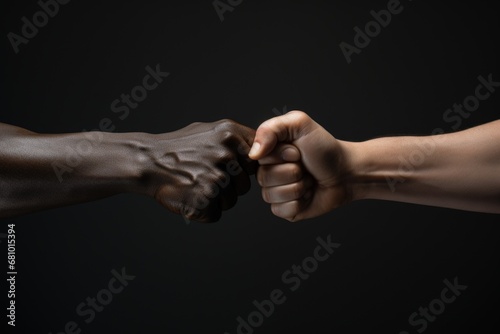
x=195, y=278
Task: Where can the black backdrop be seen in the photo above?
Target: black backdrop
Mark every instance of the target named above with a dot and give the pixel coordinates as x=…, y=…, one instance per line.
x=264, y=56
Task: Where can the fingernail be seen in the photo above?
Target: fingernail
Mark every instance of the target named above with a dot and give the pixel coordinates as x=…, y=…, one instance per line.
x=255, y=149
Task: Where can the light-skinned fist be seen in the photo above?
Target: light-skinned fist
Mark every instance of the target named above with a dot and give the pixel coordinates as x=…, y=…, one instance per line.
x=304, y=170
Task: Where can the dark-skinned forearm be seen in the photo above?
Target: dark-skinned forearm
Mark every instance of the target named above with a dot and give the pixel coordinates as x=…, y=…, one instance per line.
x=44, y=171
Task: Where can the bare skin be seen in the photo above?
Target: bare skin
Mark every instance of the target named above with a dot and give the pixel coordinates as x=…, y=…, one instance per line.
x=305, y=172
x=197, y=171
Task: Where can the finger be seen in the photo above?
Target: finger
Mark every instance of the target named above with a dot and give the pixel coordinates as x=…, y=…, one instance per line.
x=238, y=170
x=286, y=128
x=210, y=211
x=281, y=153
x=242, y=148
x=208, y=203
x=248, y=165
x=201, y=207
x=228, y=197
x=246, y=133
x=200, y=211
x=288, y=192
x=241, y=181
x=277, y=175
x=235, y=158
x=289, y=210
x=240, y=137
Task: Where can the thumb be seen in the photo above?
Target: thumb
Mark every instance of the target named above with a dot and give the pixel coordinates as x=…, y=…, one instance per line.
x=285, y=128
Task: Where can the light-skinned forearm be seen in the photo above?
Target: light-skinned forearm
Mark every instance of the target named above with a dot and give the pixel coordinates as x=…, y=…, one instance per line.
x=458, y=170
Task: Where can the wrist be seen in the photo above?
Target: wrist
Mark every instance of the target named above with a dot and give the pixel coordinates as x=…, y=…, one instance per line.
x=368, y=168
x=120, y=159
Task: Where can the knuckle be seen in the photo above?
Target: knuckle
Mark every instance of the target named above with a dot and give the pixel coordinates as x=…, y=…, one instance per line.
x=298, y=190
x=299, y=114
x=218, y=176
x=211, y=191
x=275, y=209
x=221, y=179
x=224, y=155
x=243, y=148
x=226, y=135
x=300, y=117
x=265, y=195
x=296, y=172
x=225, y=125
x=261, y=176
x=190, y=212
x=268, y=125
x=293, y=211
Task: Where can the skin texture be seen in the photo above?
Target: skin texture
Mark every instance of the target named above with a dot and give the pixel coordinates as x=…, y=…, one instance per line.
x=306, y=172
x=197, y=171
x=200, y=170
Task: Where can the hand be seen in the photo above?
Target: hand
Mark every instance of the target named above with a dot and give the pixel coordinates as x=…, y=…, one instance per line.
x=304, y=169
x=200, y=170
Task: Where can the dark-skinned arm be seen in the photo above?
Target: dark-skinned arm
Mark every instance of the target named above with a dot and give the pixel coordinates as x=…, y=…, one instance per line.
x=197, y=171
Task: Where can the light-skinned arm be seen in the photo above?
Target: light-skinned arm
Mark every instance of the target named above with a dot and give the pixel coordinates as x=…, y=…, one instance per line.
x=306, y=172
